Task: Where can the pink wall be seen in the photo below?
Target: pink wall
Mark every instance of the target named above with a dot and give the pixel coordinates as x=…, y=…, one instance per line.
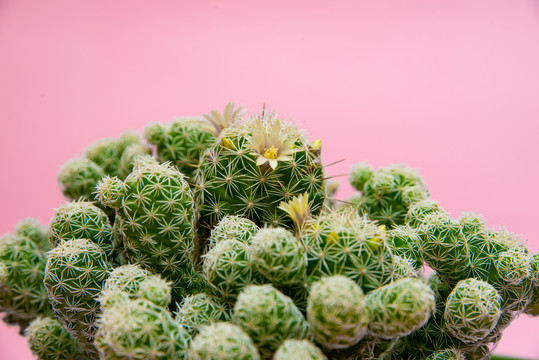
x=450, y=88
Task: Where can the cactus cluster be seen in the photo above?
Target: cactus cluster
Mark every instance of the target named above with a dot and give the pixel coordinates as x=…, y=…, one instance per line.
x=230, y=244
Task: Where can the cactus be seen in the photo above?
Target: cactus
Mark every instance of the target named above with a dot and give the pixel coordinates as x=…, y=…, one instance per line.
x=129, y=156
x=336, y=312
x=269, y=317
x=22, y=268
x=404, y=268
x=81, y=220
x=444, y=246
x=279, y=256
x=472, y=310
x=360, y=173
x=388, y=193
x=404, y=241
x=533, y=307
x=343, y=243
x=32, y=229
x=79, y=177
x=450, y=354
x=399, y=308
x=233, y=227
x=228, y=267
x=254, y=166
x=49, y=340
x=201, y=309
x=107, y=153
x=139, y=329
x=74, y=276
x=156, y=217
x=222, y=341
x=298, y=350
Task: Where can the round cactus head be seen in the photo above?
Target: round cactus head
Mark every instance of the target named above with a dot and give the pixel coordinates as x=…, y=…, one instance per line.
x=298, y=350
x=269, y=317
x=156, y=290
x=228, y=267
x=201, y=309
x=399, y=308
x=344, y=243
x=279, y=256
x=81, y=220
x=129, y=157
x=222, y=341
x=233, y=227
x=419, y=210
x=78, y=178
x=139, y=330
x=253, y=167
x=49, y=340
x=32, y=229
x=360, y=173
x=472, y=310
x=336, y=312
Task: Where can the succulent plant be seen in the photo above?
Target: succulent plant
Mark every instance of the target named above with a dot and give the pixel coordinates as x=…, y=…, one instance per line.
x=404, y=242
x=222, y=341
x=269, y=317
x=279, y=256
x=79, y=177
x=156, y=217
x=336, y=312
x=229, y=267
x=49, y=340
x=32, y=229
x=298, y=350
x=184, y=140
x=472, y=310
x=343, y=243
x=201, y=309
x=232, y=227
x=255, y=165
x=399, y=308
x=22, y=268
x=81, y=220
x=74, y=276
x=139, y=329
x=388, y=194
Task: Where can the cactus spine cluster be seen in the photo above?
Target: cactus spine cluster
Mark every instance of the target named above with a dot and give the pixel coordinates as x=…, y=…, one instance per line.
x=230, y=244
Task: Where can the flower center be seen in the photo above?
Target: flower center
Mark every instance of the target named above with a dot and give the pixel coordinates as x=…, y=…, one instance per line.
x=270, y=153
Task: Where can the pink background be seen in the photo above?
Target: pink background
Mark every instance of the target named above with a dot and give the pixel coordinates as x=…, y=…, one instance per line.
x=448, y=87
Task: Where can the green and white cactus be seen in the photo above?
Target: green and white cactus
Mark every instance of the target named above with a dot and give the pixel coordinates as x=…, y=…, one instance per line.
x=279, y=256
x=255, y=165
x=81, y=220
x=156, y=217
x=79, y=177
x=344, y=243
x=388, y=194
x=472, y=310
x=22, y=269
x=201, y=309
x=228, y=267
x=269, y=317
x=74, y=276
x=222, y=341
x=233, y=227
x=399, y=308
x=49, y=340
x=336, y=312
x=298, y=350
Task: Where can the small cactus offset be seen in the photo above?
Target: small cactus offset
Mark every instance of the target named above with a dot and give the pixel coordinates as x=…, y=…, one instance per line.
x=22, y=269
x=222, y=341
x=156, y=217
x=388, y=194
x=74, y=276
x=269, y=317
x=81, y=220
x=49, y=340
x=399, y=308
x=298, y=350
x=231, y=244
x=336, y=312
x=472, y=310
